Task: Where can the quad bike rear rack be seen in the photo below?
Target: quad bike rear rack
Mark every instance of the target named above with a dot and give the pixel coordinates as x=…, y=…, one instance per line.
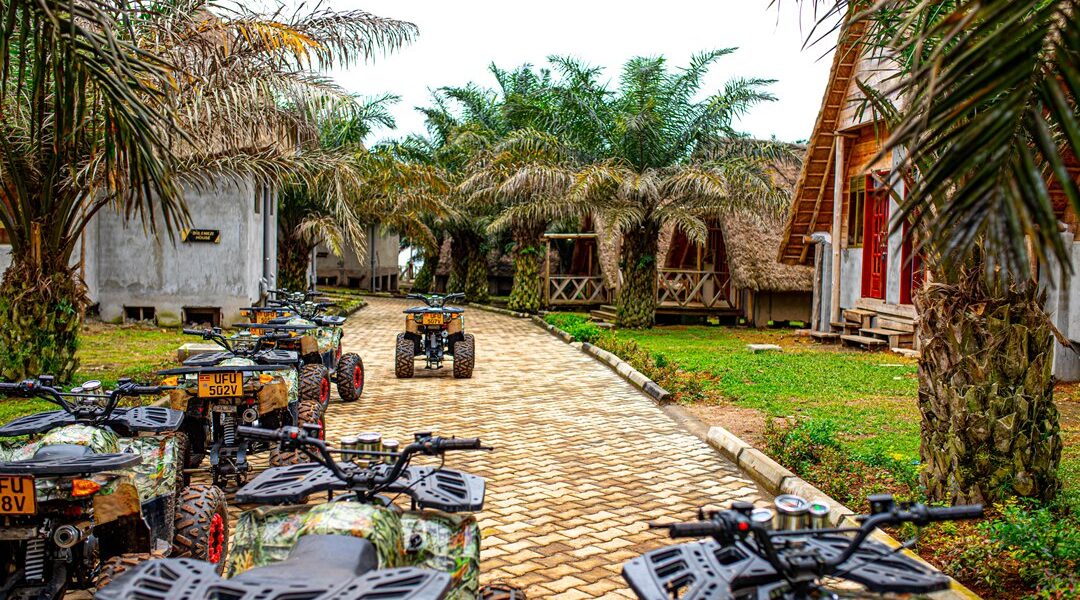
x=70, y=465
x=143, y=419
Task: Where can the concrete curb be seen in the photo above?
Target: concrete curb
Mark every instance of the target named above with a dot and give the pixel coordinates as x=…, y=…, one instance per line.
x=623, y=368
x=769, y=474
x=500, y=311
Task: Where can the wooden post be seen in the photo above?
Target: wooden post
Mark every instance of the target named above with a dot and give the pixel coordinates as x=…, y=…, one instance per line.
x=838, y=207
x=547, y=273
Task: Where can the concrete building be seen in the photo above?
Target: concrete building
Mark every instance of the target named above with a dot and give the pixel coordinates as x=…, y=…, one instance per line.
x=376, y=270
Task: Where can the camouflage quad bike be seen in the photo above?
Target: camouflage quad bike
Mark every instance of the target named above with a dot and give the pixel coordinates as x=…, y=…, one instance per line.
x=319, y=567
x=321, y=347
x=96, y=489
x=435, y=331
x=248, y=383
x=437, y=533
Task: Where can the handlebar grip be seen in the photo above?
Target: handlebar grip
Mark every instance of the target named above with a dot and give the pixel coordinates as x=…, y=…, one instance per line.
x=956, y=513
x=193, y=331
x=697, y=529
x=459, y=444
x=145, y=390
x=258, y=433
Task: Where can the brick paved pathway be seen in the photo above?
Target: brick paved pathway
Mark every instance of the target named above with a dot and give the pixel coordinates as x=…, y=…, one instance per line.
x=582, y=458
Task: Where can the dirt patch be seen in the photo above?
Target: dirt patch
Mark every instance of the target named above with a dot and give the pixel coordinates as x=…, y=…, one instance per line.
x=747, y=423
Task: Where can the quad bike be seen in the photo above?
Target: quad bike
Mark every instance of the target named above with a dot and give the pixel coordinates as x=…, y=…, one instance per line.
x=792, y=554
x=434, y=331
x=438, y=532
x=250, y=382
x=96, y=489
x=319, y=346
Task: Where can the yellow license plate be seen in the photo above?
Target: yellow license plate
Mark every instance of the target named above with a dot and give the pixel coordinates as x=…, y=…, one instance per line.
x=264, y=316
x=433, y=319
x=221, y=385
x=17, y=496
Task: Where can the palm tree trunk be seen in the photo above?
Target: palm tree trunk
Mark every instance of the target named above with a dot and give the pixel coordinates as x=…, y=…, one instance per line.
x=424, y=282
x=294, y=261
x=468, y=269
x=528, y=255
x=986, y=391
x=636, y=302
x=41, y=312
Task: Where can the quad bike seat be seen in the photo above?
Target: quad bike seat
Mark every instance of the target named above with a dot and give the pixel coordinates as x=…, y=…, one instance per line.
x=319, y=558
x=419, y=310
x=329, y=321
x=61, y=451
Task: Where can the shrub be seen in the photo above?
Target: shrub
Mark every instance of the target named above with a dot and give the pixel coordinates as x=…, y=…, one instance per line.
x=578, y=326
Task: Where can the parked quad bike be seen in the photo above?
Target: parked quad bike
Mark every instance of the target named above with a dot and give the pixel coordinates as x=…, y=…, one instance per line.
x=321, y=345
x=435, y=331
x=437, y=533
x=250, y=382
x=96, y=490
x=750, y=558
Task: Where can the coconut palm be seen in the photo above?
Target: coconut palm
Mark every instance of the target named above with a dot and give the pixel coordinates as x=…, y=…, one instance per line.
x=990, y=124
x=123, y=104
x=652, y=168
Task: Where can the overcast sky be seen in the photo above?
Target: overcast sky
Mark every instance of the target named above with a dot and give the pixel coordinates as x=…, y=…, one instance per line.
x=459, y=39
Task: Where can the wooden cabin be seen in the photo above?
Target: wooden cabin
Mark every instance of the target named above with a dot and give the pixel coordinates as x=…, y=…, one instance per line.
x=733, y=274
x=841, y=223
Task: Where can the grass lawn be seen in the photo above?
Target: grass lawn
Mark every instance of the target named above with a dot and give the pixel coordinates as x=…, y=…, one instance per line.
x=869, y=397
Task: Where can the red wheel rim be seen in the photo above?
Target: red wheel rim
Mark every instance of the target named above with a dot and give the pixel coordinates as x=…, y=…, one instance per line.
x=324, y=391
x=337, y=355
x=358, y=377
x=322, y=428
x=215, y=545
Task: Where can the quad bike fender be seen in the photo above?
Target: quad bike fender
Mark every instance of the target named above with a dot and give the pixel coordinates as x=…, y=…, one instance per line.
x=454, y=327
x=444, y=542
x=273, y=396
x=266, y=535
x=115, y=502
x=178, y=399
x=411, y=326
x=309, y=344
x=158, y=473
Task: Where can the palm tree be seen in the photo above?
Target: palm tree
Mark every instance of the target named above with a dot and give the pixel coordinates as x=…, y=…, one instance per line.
x=652, y=168
x=123, y=104
x=990, y=124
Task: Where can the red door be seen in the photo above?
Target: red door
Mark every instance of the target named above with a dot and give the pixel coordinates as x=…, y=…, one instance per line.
x=875, y=240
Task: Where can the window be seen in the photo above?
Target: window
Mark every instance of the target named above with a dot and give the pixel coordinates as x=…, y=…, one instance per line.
x=856, y=210
x=195, y=315
x=139, y=313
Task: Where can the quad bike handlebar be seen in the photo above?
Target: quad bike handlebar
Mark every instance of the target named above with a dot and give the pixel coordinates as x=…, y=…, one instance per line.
x=790, y=562
x=436, y=300
x=80, y=404
x=306, y=439
x=265, y=341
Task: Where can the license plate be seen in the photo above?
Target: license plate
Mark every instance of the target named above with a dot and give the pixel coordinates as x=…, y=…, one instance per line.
x=17, y=496
x=264, y=316
x=433, y=319
x=221, y=385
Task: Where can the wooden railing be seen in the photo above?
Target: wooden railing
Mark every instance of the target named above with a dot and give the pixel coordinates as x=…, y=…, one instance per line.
x=576, y=289
x=694, y=289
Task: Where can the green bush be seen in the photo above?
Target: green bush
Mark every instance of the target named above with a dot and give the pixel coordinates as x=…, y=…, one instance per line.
x=578, y=326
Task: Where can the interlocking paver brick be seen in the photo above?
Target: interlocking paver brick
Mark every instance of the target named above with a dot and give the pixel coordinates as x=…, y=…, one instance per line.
x=582, y=458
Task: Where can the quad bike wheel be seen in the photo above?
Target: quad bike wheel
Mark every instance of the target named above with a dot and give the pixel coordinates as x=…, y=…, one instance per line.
x=404, y=353
x=118, y=565
x=315, y=384
x=202, y=526
x=350, y=377
x=308, y=412
x=464, y=357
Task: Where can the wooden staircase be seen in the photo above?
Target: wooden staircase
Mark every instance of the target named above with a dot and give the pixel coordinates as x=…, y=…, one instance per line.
x=875, y=325
x=605, y=315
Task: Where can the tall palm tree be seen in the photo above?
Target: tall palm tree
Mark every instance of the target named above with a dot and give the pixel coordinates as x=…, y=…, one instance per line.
x=651, y=168
x=990, y=124
x=123, y=104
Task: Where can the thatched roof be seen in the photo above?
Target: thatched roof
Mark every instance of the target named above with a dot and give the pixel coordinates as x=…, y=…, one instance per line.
x=751, y=250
